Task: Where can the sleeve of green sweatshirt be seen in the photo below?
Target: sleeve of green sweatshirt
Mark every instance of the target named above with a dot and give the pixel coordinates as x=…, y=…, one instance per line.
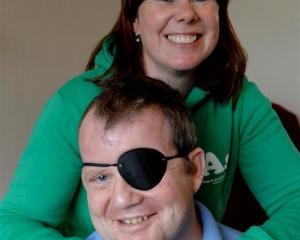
x=42, y=181
x=270, y=164
x=37, y=183
x=47, y=177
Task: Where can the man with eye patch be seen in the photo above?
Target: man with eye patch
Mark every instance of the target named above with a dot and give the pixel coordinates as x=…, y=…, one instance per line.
x=141, y=165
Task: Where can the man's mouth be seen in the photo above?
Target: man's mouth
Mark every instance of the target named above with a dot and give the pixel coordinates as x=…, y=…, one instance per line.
x=135, y=220
x=183, y=39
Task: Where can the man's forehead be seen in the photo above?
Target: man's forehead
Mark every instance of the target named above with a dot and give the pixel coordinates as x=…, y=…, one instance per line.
x=151, y=122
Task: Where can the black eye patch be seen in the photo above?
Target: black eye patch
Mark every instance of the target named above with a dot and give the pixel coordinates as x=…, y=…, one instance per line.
x=141, y=168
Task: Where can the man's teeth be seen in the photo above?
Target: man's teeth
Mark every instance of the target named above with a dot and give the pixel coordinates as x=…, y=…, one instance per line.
x=182, y=38
x=135, y=220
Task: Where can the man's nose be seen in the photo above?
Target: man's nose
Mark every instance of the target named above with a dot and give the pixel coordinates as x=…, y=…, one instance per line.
x=124, y=196
x=185, y=11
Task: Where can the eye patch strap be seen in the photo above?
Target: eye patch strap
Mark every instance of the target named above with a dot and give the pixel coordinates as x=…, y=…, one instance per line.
x=99, y=165
x=172, y=157
x=116, y=164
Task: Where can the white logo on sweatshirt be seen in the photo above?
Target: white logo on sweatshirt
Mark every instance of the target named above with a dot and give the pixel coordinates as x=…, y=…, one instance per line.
x=214, y=169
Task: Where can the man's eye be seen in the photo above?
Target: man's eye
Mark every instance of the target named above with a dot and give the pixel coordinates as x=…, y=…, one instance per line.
x=102, y=178
x=98, y=178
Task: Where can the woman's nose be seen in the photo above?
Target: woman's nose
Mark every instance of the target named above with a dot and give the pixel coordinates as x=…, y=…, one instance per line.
x=124, y=196
x=185, y=11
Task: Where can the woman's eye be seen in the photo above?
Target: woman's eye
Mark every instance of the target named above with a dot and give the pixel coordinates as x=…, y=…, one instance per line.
x=166, y=0
x=170, y=1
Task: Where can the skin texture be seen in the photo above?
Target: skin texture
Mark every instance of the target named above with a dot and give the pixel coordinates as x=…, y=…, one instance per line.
x=168, y=206
x=175, y=62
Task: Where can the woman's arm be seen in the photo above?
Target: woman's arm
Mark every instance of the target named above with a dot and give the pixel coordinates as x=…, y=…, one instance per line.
x=43, y=200
x=270, y=165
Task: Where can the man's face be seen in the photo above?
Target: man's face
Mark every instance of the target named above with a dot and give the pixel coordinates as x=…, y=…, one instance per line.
x=119, y=211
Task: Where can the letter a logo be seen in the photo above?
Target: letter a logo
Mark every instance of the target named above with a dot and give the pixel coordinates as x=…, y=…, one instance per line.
x=213, y=164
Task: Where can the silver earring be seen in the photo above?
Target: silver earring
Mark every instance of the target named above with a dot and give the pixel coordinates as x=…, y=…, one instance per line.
x=138, y=38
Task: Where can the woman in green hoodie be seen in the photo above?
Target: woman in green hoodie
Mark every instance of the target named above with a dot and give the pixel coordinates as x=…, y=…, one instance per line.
x=192, y=46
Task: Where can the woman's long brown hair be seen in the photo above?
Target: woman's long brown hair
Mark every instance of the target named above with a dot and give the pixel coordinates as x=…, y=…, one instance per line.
x=221, y=73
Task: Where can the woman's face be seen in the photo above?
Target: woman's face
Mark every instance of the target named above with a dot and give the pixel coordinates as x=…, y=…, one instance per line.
x=176, y=35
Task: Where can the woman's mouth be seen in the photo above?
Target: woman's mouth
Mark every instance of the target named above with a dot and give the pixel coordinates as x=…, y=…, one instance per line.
x=183, y=38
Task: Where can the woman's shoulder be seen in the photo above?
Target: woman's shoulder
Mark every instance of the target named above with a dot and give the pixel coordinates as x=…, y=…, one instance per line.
x=250, y=89
x=254, y=109
x=80, y=87
x=72, y=98
x=251, y=96
x=76, y=94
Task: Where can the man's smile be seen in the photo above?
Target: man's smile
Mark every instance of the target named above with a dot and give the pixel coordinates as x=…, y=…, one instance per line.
x=135, y=220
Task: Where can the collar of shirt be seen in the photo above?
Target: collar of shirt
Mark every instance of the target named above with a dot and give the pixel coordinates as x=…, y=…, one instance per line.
x=210, y=228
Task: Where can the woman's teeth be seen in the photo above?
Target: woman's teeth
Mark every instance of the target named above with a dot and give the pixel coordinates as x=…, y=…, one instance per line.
x=182, y=39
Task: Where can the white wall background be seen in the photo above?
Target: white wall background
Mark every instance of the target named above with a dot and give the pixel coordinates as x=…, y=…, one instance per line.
x=43, y=43
x=270, y=32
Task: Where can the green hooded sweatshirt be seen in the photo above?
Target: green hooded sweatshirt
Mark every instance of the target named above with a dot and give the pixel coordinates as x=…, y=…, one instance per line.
x=46, y=200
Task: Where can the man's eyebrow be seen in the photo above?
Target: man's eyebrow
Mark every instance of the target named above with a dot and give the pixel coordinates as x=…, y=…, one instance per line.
x=89, y=170
x=93, y=169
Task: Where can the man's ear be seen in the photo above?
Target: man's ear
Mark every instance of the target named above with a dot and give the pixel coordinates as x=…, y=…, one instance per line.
x=197, y=159
x=82, y=179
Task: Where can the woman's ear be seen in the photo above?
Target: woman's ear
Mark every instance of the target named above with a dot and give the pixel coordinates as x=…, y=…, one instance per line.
x=136, y=26
x=197, y=159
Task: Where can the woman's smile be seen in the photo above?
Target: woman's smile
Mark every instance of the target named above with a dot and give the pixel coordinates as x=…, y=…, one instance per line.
x=182, y=38
x=176, y=36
